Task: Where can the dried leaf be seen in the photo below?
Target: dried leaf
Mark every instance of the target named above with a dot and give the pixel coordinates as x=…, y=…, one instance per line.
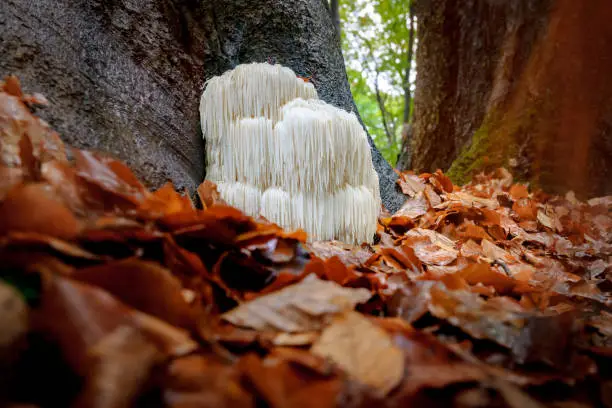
x=36, y=208
x=349, y=255
x=301, y=307
x=283, y=385
x=413, y=208
x=363, y=350
x=209, y=195
x=204, y=381
x=431, y=247
x=122, y=363
x=13, y=320
x=410, y=184
x=145, y=286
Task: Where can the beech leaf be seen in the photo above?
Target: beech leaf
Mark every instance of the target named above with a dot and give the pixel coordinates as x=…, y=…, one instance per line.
x=362, y=349
x=301, y=307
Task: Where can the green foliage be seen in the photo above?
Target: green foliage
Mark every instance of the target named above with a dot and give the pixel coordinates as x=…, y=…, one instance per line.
x=375, y=38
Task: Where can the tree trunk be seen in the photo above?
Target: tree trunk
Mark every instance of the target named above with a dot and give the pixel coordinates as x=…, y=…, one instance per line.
x=335, y=13
x=126, y=76
x=404, y=158
x=523, y=85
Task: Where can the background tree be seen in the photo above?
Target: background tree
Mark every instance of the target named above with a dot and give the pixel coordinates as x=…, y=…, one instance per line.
x=378, y=43
x=520, y=84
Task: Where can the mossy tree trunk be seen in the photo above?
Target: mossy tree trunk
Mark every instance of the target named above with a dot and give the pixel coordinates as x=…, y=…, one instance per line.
x=125, y=76
x=524, y=85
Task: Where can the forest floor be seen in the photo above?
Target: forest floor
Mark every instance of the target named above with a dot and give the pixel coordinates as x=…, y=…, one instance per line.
x=113, y=296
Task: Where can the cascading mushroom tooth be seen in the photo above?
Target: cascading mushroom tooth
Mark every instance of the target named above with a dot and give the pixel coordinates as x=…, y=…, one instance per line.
x=275, y=149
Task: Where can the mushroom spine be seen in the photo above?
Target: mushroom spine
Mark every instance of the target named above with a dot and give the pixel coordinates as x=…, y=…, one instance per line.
x=274, y=149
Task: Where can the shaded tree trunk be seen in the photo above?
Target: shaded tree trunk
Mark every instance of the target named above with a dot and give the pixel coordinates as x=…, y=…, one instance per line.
x=125, y=77
x=404, y=157
x=335, y=13
x=523, y=85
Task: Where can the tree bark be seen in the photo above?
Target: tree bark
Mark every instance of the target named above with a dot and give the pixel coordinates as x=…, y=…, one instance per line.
x=125, y=76
x=404, y=157
x=523, y=85
x=335, y=13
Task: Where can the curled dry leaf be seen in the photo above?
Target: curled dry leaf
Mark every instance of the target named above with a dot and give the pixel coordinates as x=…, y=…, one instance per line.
x=301, y=307
x=362, y=349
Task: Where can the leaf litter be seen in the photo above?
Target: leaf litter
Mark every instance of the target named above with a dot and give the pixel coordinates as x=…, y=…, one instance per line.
x=112, y=295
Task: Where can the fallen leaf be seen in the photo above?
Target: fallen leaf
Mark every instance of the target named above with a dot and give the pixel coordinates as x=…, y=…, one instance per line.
x=281, y=384
x=518, y=191
x=204, y=380
x=413, y=207
x=209, y=195
x=36, y=208
x=14, y=317
x=122, y=362
x=410, y=184
x=363, y=350
x=303, y=306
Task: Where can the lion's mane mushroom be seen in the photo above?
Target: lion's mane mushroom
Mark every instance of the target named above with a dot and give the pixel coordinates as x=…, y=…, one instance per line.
x=274, y=149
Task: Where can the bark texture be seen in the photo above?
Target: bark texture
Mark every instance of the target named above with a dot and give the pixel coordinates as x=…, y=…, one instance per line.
x=125, y=76
x=518, y=84
x=460, y=45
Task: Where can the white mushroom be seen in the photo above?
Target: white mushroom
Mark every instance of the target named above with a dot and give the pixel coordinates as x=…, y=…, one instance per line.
x=276, y=150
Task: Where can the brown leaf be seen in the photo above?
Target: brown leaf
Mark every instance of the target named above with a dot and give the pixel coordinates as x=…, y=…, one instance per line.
x=9, y=178
x=472, y=231
x=32, y=240
x=413, y=208
x=431, y=247
x=14, y=316
x=348, y=254
x=209, y=195
x=442, y=182
x=16, y=120
x=483, y=273
x=410, y=184
x=518, y=191
x=145, y=286
x=122, y=363
x=363, y=350
x=282, y=384
x=110, y=175
x=89, y=314
x=204, y=381
x=165, y=201
x=526, y=209
x=12, y=86
x=301, y=307
x=36, y=208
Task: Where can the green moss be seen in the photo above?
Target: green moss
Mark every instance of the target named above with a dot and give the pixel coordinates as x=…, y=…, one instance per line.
x=472, y=156
x=491, y=145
